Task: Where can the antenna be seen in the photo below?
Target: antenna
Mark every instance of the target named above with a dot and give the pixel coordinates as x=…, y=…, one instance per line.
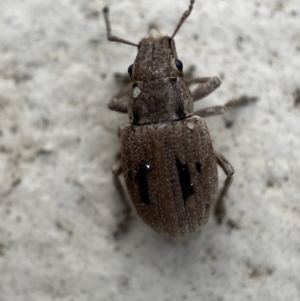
x=184, y=17
x=111, y=37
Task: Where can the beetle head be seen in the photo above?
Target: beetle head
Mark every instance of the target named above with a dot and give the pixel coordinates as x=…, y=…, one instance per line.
x=155, y=59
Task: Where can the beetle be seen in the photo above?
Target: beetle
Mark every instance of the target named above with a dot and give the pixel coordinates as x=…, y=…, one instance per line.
x=167, y=157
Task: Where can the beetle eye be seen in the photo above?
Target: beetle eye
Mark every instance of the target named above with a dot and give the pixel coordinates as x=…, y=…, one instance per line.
x=130, y=69
x=179, y=65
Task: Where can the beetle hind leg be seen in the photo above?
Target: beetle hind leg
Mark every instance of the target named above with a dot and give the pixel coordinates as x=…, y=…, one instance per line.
x=220, y=210
x=123, y=224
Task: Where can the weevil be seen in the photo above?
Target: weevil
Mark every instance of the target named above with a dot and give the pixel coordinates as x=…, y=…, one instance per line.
x=167, y=157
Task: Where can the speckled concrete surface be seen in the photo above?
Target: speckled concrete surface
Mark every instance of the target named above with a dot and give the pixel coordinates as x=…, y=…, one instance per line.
x=58, y=141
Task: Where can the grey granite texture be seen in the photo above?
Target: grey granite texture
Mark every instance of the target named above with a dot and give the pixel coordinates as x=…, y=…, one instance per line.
x=58, y=141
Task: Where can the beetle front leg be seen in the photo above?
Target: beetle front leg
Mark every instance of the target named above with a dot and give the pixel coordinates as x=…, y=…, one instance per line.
x=119, y=102
x=220, y=210
x=206, y=86
x=123, y=225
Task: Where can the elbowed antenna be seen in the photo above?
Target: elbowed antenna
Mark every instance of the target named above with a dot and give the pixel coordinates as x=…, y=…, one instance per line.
x=184, y=17
x=110, y=37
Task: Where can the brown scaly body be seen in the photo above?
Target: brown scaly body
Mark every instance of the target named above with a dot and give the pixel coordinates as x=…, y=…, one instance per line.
x=168, y=161
x=177, y=198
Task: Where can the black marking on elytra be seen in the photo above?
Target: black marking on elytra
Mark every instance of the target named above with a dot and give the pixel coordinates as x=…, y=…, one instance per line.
x=186, y=184
x=198, y=167
x=141, y=180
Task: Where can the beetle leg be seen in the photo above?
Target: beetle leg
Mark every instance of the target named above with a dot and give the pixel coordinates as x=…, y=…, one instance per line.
x=189, y=74
x=119, y=101
x=206, y=86
x=210, y=111
x=122, y=78
x=219, y=110
x=241, y=101
x=220, y=210
x=123, y=225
